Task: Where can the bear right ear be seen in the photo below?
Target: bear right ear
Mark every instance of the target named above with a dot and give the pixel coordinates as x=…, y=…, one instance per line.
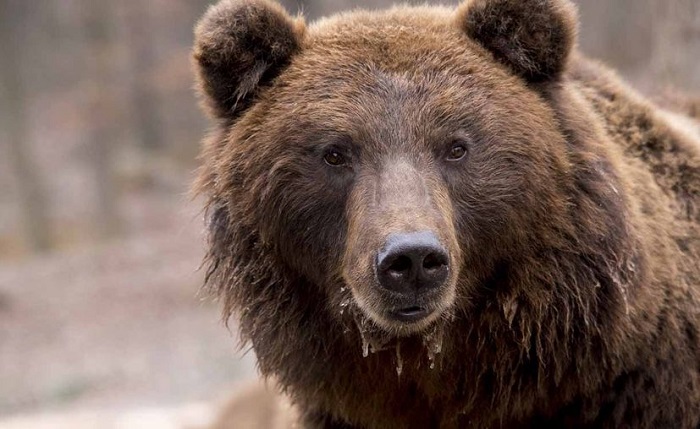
x=241, y=45
x=534, y=38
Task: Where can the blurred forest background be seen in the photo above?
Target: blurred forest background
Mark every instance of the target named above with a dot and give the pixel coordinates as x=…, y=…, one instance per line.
x=99, y=242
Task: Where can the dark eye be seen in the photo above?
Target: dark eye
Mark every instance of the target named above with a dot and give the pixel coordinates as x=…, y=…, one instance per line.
x=334, y=158
x=457, y=152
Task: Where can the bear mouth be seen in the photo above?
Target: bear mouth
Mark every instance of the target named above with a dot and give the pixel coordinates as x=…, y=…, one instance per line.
x=400, y=316
x=410, y=314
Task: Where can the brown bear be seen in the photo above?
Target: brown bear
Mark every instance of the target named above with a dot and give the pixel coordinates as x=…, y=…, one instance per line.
x=432, y=217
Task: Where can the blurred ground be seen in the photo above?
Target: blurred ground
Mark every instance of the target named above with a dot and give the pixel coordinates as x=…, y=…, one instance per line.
x=191, y=416
x=114, y=327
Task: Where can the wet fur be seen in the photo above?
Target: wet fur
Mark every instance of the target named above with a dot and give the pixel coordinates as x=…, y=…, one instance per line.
x=577, y=301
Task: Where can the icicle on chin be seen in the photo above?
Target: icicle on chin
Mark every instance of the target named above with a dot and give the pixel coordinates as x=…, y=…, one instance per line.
x=432, y=340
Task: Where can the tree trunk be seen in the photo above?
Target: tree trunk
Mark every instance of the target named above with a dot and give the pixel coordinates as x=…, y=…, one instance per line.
x=103, y=115
x=144, y=100
x=676, y=47
x=33, y=204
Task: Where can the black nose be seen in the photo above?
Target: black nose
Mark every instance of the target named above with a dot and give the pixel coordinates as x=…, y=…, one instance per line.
x=412, y=262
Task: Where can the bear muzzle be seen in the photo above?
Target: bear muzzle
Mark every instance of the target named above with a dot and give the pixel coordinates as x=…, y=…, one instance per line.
x=402, y=256
x=412, y=267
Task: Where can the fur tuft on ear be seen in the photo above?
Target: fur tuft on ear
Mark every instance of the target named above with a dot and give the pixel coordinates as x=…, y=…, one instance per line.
x=532, y=37
x=241, y=45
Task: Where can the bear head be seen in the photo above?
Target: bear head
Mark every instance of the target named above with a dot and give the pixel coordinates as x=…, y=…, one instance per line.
x=396, y=167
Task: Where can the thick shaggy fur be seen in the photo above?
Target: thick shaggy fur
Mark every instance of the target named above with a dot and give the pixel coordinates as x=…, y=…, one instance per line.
x=574, y=220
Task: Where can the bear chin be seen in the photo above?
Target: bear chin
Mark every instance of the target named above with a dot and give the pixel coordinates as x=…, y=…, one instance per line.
x=378, y=334
x=400, y=321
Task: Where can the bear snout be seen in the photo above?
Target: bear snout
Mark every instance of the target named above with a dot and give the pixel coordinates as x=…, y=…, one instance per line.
x=412, y=267
x=402, y=255
x=412, y=263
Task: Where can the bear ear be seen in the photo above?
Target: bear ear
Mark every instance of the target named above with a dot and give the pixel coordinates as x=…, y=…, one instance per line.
x=532, y=37
x=241, y=45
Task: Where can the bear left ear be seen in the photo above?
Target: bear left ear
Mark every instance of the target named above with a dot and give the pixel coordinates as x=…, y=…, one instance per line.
x=532, y=37
x=241, y=45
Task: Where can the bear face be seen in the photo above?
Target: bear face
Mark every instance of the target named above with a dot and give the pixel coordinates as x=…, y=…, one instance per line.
x=374, y=158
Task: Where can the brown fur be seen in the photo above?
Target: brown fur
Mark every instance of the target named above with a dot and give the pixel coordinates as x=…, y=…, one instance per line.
x=573, y=225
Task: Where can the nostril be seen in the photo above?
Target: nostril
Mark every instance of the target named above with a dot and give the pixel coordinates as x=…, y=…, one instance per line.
x=401, y=264
x=434, y=261
x=412, y=262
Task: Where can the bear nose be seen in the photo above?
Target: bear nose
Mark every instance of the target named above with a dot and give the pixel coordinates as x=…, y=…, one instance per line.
x=412, y=262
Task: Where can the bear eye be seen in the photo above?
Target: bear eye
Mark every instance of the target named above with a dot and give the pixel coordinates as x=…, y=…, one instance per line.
x=457, y=152
x=334, y=158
